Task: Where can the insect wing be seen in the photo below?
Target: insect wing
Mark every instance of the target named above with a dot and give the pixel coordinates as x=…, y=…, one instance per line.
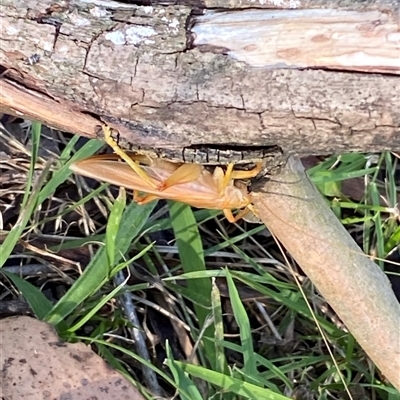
x=200, y=192
x=116, y=173
x=197, y=187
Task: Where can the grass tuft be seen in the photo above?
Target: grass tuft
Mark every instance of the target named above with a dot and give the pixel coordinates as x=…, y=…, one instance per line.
x=218, y=305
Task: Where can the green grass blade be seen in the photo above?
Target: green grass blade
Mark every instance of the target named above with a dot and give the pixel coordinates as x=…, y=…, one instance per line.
x=230, y=384
x=380, y=240
x=393, y=241
x=191, y=255
x=88, y=315
x=38, y=302
x=241, y=318
x=35, y=137
x=329, y=177
x=97, y=272
x=238, y=238
x=391, y=179
x=134, y=356
x=189, y=389
x=220, y=360
x=15, y=234
x=29, y=200
x=113, y=224
x=40, y=192
x=69, y=149
x=62, y=174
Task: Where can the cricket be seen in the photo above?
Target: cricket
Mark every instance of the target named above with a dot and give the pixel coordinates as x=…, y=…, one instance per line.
x=152, y=178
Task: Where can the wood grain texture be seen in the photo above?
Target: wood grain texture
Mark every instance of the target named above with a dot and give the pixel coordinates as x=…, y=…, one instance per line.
x=139, y=68
x=366, y=41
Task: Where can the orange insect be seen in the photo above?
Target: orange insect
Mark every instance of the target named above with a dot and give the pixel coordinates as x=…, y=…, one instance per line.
x=192, y=184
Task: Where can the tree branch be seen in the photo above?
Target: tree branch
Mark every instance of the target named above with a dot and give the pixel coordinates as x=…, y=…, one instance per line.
x=355, y=287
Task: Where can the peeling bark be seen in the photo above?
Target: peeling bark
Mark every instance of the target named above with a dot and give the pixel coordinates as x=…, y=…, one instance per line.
x=169, y=76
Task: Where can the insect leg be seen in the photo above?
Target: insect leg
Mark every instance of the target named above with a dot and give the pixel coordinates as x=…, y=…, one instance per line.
x=247, y=174
x=222, y=178
x=144, y=199
x=234, y=218
x=230, y=174
x=229, y=215
x=114, y=145
x=183, y=174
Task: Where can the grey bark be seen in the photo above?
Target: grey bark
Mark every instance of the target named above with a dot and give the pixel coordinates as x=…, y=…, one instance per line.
x=170, y=76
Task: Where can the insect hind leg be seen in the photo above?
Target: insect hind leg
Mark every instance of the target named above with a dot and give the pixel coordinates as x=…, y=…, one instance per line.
x=117, y=150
